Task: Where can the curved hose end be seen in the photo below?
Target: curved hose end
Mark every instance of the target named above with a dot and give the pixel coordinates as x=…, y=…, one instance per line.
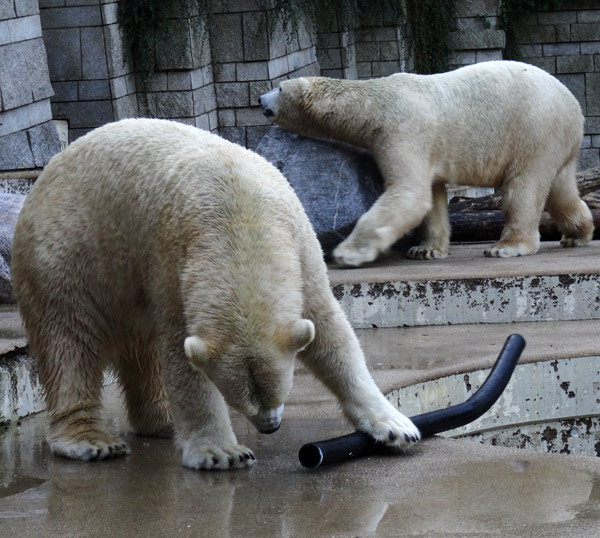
x=311, y=456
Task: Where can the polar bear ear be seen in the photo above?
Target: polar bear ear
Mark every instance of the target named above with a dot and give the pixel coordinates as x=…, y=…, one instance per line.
x=298, y=335
x=296, y=86
x=195, y=349
x=303, y=84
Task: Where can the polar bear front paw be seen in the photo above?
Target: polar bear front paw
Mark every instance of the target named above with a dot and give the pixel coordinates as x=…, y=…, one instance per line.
x=390, y=427
x=426, y=253
x=349, y=256
x=212, y=457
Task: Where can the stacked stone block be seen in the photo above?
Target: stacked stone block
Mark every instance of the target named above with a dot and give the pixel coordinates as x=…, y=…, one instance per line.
x=336, y=51
x=566, y=43
x=212, y=78
x=477, y=37
x=28, y=136
x=251, y=54
x=77, y=59
x=380, y=50
x=182, y=87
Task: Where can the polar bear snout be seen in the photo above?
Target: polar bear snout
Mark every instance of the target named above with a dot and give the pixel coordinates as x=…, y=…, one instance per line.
x=269, y=102
x=267, y=421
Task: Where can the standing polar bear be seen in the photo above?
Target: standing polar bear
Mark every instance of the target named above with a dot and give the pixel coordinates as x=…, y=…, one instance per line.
x=188, y=265
x=501, y=124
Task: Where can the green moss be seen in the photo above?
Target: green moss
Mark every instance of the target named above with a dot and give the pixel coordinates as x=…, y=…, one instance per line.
x=430, y=24
x=139, y=20
x=512, y=19
x=341, y=14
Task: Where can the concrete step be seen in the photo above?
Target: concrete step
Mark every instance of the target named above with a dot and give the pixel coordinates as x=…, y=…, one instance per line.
x=556, y=284
x=452, y=296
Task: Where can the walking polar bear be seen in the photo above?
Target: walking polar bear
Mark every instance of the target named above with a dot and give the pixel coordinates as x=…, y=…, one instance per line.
x=501, y=124
x=188, y=265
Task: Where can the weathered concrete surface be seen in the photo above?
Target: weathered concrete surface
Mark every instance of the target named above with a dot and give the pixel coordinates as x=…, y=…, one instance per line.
x=20, y=390
x=10, y=206
x=441, y=488
x=555, y=284
x=12, y=332
x=551, y=406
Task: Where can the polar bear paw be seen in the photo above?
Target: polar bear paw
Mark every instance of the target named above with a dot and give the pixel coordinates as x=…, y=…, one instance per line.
x=569, y=242
x=89, y=446
x=212, y=457
x=390, y=427
x=426, y=253
x=506, y=248
x=349, y=256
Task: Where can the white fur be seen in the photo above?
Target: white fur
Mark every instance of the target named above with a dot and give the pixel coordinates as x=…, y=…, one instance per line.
x=507, y=125
x=188, y=265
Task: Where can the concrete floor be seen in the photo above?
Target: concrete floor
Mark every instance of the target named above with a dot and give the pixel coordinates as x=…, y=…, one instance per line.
x=442, y=487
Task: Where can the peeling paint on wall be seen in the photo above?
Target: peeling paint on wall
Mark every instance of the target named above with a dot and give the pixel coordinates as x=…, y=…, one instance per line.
x=478, y=300
x=552, y=406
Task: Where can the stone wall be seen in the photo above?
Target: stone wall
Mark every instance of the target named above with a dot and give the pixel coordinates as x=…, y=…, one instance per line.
x=208, y=79
x=380, y=48
x=212, y=79
x=182, y=88
x=28, y=136
x=478, y=37
x=566, y=43
x=92, y=83
x=251, y=54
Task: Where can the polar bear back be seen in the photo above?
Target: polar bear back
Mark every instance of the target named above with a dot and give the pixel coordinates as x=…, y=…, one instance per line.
x=479, y=122
x=132, y=202
x=125, y=172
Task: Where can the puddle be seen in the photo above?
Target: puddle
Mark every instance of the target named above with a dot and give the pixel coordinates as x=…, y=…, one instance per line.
x=20, y=485
x=527, y=492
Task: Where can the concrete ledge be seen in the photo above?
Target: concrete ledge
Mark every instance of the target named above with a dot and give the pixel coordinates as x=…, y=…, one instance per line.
x=541, y=399
x=555, y=284
x=20, y=390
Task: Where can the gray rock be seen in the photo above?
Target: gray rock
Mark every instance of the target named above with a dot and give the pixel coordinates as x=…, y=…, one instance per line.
x=10, y=206
x=335, y=182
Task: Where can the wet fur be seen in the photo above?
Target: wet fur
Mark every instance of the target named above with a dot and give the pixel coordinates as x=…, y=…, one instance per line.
x=146, y=232
x=506, y=125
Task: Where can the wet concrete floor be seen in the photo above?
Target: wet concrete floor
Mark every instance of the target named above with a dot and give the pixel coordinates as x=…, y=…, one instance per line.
x=440, y=488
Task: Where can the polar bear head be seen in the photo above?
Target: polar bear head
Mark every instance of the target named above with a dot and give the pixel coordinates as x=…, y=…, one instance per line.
x=290, y=104
x=314, y=106
x=254, y=377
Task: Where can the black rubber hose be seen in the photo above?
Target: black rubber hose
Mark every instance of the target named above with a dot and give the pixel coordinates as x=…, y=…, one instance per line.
x=357, y=444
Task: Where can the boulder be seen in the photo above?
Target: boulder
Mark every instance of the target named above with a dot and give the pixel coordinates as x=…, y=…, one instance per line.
x=10, y=206
x=335, y=182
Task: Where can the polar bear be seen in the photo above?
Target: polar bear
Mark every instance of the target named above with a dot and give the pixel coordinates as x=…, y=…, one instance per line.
x=500, y=124
x=187, y=264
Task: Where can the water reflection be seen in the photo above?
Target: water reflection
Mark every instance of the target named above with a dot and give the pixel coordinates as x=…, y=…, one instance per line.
x=482, y=497
x=149, y=494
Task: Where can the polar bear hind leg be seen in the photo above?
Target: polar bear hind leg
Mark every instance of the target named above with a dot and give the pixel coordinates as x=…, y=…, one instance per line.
x=570, y=213
x=435, y=228
x=523, y=199
x=74, y=399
